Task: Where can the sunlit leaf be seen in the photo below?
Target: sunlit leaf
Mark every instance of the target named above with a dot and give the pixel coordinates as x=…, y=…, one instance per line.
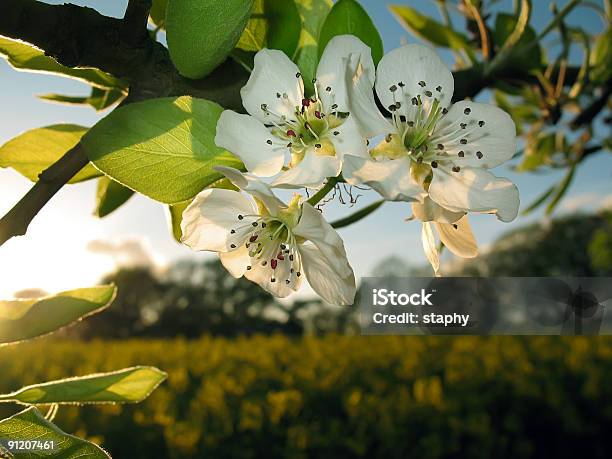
x=349, y=17
x=130, y=385
x=202, y=34
x=273, y=24
x=110, y=195
x=24, y=56
x=23, y=319
x=428, y=29
x=313, y=14
x=99, y=99
x=601, y=57
x=30, y=424
x=162, y=148
x=34, y=151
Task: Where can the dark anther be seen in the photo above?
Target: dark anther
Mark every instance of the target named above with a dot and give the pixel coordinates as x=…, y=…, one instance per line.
x=410, y=123
x=233, y=231
x=328, y=89
x=278, y=95
x=401, y=84
x=467, y=111
x=398, y=105
x=463, y=141
x=254, y=223
x=249, y=268
x=388, y=138
x=335, y=106
x=456, y=169
x=428, y=93
x=440, y=146
x=393, y=88
x=463, y=125
x=439, y=88
x=455, y=226
x=269, y=142
x=318, y=145
x=298, y=75
x=305, y=102
x=336, y=132
x=253, y=238
x=434, y=164
x=233, y=246
x=481, y=123
x=314, y=80
x=444, y=111
x=289, y=145
x=392, y=108
x=240, y=217
x=298, y=274
x=461, y=154
x=479, y=154
x=415, y=101
x=263, y=225
x=264, y=263
x=264, y=107
x=422, y=84
x=287, y=282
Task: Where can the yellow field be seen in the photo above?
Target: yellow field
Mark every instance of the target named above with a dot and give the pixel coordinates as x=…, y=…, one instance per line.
x=340, y=396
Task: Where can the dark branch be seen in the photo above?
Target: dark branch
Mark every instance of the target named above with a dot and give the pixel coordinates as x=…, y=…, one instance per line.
x=590, y=112
x=17, y=220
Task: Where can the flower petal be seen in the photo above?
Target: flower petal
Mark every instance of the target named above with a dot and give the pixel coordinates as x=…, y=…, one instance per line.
x=348, y=140
x=362, y=105
x=236, y=261
x=475, y=190
x=429, y=246
x=207, y=221
x=428, y=211
x=489, y=131
x=458, y=238
x=410, y=65
x=315, y=228
x=311, y=172
x=263, y=276
x=333, y=67
x=391, y=178
x=273, y=74
x=324, y=280
x=253, y=186
x=246, y=137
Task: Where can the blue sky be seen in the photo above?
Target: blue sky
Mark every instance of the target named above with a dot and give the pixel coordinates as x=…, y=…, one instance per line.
x=54, y=254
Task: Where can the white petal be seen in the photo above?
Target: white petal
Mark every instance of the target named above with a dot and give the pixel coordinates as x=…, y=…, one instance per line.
x=236, y=261
x=458, y=238
x=273, y=73
x=334, y=65
x=324, y=280
x=429, y=246
x=391, y=178
x=429, y=211
x=311, y=172
x=495, y=140
x=409, y=65
x=475, y=190
x=349, y=140
x=210, y=217
x=247, y=138
x=253, y=186
x=363, y=106
x=315, y=228
x=263, y=276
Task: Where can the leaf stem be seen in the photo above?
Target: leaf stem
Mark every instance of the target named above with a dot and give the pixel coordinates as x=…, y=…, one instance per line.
x=316, y=198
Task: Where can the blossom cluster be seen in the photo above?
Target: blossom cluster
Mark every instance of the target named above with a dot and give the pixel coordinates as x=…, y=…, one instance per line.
x=421, y=149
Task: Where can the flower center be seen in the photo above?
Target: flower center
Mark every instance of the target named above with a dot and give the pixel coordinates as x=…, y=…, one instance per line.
x=417, y=135
x=270, y=243
x=312, y=125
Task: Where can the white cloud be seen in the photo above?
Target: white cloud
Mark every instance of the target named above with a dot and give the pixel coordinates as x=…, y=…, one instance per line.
x=579, y=202
x=128, y=252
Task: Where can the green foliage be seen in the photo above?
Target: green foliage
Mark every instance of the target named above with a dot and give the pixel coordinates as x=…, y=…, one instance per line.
x=158, y=13
x=349, y=17
x=512, y=38
x=130, y=385
x=34, y=151
x=429, y=29
x=162, y=148
x=423, y=397
x=313, y=14
x=601, y=57
x=175, y=218
x=110, y=195
x=24, y=319
x=30, y=424
x=201, y=34
x=23, y=56
x=600, y=248
x=273, y=24
x=99, y=99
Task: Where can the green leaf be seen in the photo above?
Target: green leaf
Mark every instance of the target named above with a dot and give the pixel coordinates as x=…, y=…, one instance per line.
x=429, y=30
x=158, y=13
x=26, y=57
x=99, y=99
x=273, y=24
x=561, y=189
x=538, y=201
x=601, y=58
x=27, y=318
x=110, y=195
x=313, y=14
x=519, y=56
x=349, y=17
x=201, y=34
x=30, y=424
x=130, y=385
x=162, y=148
x=34, y=151
x=175, y=217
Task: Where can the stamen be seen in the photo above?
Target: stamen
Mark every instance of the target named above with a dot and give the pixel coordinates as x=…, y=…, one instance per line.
x=434, y=164
x=463, y=141
x=439, y=88
x=428, y=93
x=422, y=84
x=269, y=142
x=467, y=111
x=479, y=154
x=456, y=169
x=393, y=88
x=298, y=75
x=481, y=123
x=461, y=154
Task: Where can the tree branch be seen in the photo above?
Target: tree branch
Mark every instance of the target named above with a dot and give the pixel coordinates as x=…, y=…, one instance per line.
x=590, y=112
x=17, y=220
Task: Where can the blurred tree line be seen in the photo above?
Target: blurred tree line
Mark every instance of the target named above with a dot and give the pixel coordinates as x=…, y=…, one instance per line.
x=155, y=305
